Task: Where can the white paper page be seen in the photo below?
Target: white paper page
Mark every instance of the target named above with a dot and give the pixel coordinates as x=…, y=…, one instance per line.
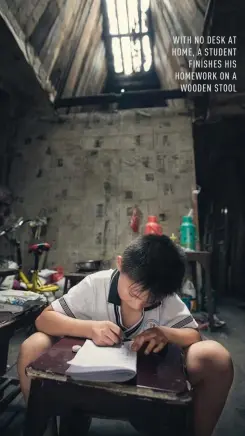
x=92, y=357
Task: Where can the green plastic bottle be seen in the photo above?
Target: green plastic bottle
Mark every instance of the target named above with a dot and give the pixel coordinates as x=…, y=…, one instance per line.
x=188, y=233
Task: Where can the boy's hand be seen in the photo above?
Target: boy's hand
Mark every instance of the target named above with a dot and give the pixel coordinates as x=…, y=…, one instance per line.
x=155, y=338
x=106, y=333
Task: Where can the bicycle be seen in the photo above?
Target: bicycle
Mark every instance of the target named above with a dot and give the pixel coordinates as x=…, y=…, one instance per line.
x=34, y=284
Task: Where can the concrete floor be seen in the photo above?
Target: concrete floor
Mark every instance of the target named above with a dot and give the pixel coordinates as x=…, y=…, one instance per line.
x=233, y=416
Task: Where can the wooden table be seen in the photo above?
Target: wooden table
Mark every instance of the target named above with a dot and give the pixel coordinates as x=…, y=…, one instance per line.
x=9, y=323
x=7, y=272
x=158, y=395
x=74, y=278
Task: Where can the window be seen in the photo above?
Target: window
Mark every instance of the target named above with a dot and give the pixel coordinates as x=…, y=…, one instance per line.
x=129, y=35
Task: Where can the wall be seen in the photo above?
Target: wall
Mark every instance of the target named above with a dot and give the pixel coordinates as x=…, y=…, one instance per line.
x=88, y=171
x=18, y=93
x=7, y=128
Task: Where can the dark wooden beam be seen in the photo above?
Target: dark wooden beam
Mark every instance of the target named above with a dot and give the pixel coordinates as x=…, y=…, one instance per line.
x=121, y=48
x=44, y=26
x=208, y=18
x=132, y=60
x=201, y=104
x=152, y=97
x=122, y=35
x=106, y=39
x=64, y=61
x=140, y=27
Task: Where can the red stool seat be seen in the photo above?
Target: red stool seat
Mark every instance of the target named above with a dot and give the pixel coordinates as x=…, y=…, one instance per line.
x=39, y=248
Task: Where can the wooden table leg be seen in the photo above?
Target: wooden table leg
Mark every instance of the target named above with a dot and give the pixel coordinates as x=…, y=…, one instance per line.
x=74, y=423
x=37, y=415
x=4, y=344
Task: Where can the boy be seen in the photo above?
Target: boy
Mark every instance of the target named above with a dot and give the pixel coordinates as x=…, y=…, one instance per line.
x=139, y=300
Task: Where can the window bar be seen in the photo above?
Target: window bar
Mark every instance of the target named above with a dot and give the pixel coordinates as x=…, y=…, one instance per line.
x=121, y=35
x=115, y=1
x=106, y=33
x=130, y=37
x=140, y=28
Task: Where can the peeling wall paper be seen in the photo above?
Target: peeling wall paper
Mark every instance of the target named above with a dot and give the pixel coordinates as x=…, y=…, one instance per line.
x=88, y=172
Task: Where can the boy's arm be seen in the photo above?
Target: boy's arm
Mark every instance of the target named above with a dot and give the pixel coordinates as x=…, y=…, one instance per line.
x=158, y=337
x=102, y=333
x=177, y=326
x=57, y=324
x=74, y=315
x=184, y=337
x=70, y=315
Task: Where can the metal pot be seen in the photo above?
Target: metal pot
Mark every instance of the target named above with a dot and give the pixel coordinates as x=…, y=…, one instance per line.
x=88, y=265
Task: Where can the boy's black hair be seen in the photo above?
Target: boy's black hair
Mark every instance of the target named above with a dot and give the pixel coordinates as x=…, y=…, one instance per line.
x=156, y=264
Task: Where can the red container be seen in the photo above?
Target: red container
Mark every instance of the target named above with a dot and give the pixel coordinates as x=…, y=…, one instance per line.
x=56, y=277
x=153, y=227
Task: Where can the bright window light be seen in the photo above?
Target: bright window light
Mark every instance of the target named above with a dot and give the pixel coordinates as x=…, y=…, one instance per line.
x=129, y=33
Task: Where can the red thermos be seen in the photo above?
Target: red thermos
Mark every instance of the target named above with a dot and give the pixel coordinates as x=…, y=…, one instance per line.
x=153, y=227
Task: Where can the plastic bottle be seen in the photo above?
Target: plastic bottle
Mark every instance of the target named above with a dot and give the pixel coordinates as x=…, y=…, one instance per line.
x=153, y=227
x=189, y=295
x=188, y=233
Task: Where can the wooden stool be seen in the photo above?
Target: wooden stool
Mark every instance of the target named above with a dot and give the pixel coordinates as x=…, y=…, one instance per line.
x=159, y=394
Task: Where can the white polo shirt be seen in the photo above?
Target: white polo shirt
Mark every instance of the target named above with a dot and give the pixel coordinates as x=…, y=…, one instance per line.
x=96, y=298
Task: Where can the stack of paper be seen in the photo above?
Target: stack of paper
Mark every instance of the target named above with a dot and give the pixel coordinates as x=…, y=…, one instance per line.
x=103, y=364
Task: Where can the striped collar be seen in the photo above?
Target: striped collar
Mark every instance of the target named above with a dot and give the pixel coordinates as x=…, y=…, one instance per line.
x=113, y=296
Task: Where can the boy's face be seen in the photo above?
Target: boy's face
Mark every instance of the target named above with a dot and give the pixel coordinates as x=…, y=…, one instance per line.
x=129, y=292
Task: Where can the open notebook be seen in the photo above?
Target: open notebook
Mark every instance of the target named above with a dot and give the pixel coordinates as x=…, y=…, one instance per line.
x=103, y=364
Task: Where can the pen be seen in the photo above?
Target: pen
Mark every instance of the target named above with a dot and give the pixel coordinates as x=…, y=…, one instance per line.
x=123, y=341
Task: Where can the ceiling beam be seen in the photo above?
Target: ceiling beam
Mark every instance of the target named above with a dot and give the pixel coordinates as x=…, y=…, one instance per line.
x=150, y=97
